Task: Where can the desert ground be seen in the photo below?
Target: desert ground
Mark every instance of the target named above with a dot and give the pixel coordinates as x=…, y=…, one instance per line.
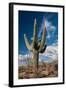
x=45, y=69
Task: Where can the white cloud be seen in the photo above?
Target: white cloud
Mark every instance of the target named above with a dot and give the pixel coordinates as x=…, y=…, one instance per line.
x=20, y=57
x=51, y=53
x=50, y=29
x=50, y=26
x=53, y=27
x=24, y=57
x=47, y=23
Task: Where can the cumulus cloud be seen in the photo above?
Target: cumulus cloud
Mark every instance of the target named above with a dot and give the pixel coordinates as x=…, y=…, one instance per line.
x=50, y=54
x=24, y=59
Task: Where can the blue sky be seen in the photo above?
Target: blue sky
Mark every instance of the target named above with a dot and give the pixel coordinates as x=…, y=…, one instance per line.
x=26, y=25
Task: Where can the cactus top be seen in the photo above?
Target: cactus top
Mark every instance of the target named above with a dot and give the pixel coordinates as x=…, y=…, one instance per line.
x=35, y=21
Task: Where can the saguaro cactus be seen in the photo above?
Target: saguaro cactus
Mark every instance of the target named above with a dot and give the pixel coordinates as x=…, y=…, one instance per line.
x=37, y=46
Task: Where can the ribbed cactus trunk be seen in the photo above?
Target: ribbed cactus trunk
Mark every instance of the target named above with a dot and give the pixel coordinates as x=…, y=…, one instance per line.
x=35, y=60
x=36, y=47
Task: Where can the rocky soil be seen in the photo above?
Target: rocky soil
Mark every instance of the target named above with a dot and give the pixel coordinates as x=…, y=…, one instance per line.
x=45, y=70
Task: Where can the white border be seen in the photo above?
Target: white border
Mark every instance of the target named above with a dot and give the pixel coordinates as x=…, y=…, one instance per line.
x=60, y=45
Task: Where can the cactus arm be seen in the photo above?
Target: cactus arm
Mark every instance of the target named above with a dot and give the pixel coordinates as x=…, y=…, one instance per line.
x=43, y=50
x=35, y=33
x=43, y=39
x=37, y=46
x=27, y=43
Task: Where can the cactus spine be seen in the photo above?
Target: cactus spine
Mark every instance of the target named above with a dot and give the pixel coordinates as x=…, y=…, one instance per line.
x=36, y=47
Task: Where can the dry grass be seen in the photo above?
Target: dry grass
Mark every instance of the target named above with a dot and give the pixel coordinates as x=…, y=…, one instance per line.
x=45, y=70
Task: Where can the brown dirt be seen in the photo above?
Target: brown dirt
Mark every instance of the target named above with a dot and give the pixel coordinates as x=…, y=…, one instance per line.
x=45, y=70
